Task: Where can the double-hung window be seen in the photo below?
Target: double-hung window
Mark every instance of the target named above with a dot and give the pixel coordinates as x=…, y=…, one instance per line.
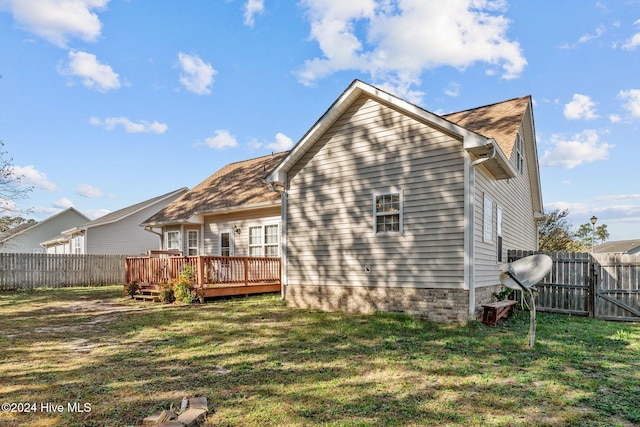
x=173, y=240
x=264, y=240
x=387, y=212
x=519, y=154
x=192, y=242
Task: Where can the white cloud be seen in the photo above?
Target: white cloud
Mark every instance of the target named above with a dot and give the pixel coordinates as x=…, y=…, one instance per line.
x=63, y=203
x=282, y=143
x=587, y=37
x=94, y=75
x=632, y=96
x=31, y=177
x=197, y=75
x=57, y=20
x=395, y=42
x=581, y=107
x=90, y=192
x=142, y=126
x=452, y=90
x=96, y=213
x=568, y=153
x=251, y=8
x=634, y=41
x=222, y=139
x=614, y=118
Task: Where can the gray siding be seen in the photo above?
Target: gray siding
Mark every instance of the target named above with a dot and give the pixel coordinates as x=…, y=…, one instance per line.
x=374, y=148
x=519, y=228
x=243, y=220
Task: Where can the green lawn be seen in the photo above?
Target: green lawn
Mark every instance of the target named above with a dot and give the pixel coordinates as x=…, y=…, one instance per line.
x=261, y=363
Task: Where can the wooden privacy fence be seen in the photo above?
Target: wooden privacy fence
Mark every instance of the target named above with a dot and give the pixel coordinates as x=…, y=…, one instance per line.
x=28, y=271
x=604, y=286
x=209, y=269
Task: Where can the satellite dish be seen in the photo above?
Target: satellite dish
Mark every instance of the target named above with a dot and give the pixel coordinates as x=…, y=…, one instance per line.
x=524, y=274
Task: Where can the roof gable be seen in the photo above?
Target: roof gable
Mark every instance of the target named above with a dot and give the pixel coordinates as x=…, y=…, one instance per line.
x=236, y=185
x=21, y=229
x=500, y=121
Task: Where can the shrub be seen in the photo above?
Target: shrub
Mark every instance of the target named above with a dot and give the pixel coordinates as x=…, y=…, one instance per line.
x=183, y=291
x=132, y=289
x=167, y=295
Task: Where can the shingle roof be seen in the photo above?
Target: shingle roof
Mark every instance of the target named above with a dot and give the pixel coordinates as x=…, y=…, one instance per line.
x=620, y=246
x=499, y=121
x=123, y=213
x=235, y=185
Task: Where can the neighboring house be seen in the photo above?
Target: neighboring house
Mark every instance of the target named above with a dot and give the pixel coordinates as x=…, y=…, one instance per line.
x=118, y=232
x=388, y=207
x=26, y=238
x=231, y=213
x=631, y=247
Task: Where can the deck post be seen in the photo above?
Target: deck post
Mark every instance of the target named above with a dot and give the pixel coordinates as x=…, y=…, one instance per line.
x=246, y=271
x=200, y=267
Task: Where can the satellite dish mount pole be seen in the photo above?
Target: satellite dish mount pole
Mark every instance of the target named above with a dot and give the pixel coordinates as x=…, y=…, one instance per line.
x=532, y=318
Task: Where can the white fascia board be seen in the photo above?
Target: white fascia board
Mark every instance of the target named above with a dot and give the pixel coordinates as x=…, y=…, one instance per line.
x=470, y=139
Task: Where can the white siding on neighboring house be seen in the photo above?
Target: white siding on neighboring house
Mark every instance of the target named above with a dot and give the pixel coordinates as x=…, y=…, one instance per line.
x=373, y=149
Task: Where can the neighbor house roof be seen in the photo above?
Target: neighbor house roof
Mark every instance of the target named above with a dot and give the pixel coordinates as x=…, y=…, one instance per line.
x=620, y=247
x=237, y=185
x=500, y=121
x=130, y=210
x=7, y=235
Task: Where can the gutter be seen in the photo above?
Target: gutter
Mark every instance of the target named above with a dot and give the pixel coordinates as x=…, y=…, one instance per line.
x=472, y=239
x=150, y=230
x=280, y=188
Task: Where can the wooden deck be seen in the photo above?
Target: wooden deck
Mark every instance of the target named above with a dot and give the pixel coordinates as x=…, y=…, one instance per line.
x=215, y=276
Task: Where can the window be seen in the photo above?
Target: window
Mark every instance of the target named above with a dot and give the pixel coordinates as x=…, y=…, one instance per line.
x=192, y=242
x=499, y=233
x=264, y=240
x=488, y=219
x=76, y=245
x=173, y=240
x=519, y=154
x=387, y=212
x=271, y=240
x=226, y=248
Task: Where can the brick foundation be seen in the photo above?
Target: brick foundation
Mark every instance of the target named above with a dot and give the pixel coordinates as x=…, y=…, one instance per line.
x=438, y=305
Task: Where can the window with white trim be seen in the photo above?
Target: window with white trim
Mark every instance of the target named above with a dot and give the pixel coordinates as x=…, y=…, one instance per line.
x=172, y=239
x=488, y=219
x=499, y=233
x=519, y=154
x=264, y=240
x=76, y=244
x=192, y=242
x=387, y=212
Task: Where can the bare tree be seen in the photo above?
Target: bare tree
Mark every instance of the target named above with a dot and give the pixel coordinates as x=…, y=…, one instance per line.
x=11, y=190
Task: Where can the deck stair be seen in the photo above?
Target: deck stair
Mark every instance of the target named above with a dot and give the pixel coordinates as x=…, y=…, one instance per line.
x=148, y=292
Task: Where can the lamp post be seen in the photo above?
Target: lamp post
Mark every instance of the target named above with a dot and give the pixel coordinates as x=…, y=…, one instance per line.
x=593, y=231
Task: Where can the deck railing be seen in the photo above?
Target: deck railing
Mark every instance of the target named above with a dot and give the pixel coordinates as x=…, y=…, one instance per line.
x=210, y=270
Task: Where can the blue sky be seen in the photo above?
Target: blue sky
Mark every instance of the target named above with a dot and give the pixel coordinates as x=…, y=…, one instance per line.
x=106, y=103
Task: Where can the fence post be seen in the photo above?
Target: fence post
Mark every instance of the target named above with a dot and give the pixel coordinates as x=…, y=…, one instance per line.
x=592, y=286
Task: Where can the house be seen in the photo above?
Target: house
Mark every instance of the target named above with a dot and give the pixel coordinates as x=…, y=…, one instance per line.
x=231, y=213
x=117, y=233
x=389, y=207
x=26, y=238
x=630, y=247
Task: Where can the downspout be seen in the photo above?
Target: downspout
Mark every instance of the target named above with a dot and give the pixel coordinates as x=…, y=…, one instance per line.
x=150, y=230
x=472, y=237
x=280, y=188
